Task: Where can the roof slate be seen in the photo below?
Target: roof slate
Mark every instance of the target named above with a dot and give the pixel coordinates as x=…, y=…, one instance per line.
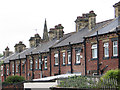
x=78, y=36
x=74, y=37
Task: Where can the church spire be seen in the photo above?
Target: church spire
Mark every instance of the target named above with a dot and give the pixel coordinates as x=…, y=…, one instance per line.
x=45, y=32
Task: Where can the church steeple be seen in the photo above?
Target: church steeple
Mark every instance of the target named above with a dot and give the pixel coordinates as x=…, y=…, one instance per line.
x=45, y=32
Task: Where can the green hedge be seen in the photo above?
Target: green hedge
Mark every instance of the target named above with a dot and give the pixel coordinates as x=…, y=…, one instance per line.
x=112, y=74
x=14, y=79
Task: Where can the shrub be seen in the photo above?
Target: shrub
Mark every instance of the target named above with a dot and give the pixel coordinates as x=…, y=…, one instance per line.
x=14, y=79
x=77, y=82
x=112, y=74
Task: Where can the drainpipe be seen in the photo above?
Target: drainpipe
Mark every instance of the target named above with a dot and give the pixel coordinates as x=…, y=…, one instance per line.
x=85, y=55
x=97, y=54
x=50, y=62
x=14, y=68
x=4, y=71
x=71, y=57
x=9, y=69
x=119, y=51
x=32, y=66
x=26, y=68
x=117, y=32
x=20, y=64
x=40, y=57
x=59, y=62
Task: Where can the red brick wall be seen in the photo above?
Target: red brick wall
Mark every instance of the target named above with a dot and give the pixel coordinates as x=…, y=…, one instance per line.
x=92, y=64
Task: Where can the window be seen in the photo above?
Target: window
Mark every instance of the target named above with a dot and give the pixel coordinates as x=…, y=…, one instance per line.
x=36, y=64
x=56, y=59
x=69, y=57
x=94, y=51
x=1, y=70
x=45, y=62
x=63, y=58
x=23, y=66
x=13, y=68
x=31, y=62
x=16, y=67
x=40, y=62
x=106, y=49
x=7, y=70
x=115, y=50
x=77, y=56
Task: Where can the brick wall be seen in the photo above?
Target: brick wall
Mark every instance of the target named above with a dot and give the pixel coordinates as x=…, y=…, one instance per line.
x=111, y=61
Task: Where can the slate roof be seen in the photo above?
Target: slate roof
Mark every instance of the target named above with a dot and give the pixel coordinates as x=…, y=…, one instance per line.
x=107, y=28
x=43, y=47
x=78, y=36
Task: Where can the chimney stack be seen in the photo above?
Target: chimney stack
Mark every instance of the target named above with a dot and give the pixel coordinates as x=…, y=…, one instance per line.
x=56, y=32
x=7, y=53
x=35, y=41
x=92, y=19
x=20, y=47
x=88, y=19
x=117, y=9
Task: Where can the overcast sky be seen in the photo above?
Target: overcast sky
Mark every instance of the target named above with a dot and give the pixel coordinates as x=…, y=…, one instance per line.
x=20, y=18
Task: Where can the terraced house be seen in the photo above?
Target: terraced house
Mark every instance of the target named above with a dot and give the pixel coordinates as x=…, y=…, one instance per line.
x=93, y=48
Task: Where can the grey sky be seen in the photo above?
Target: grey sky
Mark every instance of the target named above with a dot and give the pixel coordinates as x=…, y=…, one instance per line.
x=20, y=18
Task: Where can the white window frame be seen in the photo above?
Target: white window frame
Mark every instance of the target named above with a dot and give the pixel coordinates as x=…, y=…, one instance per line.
x=94, y=51
x=36, y=64
x=13, y=68
x=63, y=58
x=106, y=49
x=78, y=58
x=69, y=57
x=1, y=70
x=56, y=58
x=45, y=59
x=40, y=62
x=16, y=67
x=115, y=46
x=31, y=62
x=7, y=70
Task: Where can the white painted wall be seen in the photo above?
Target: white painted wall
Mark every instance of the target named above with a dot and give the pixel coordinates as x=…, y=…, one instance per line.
x=40, y=84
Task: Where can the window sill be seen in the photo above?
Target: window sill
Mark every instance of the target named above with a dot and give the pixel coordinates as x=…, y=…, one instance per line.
x=77, y=64
x=93, y=58
x=105, y=58
x=114, y=57
x=63, y=64
x=68, y=64
x=55, y=65
x=45, y=68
